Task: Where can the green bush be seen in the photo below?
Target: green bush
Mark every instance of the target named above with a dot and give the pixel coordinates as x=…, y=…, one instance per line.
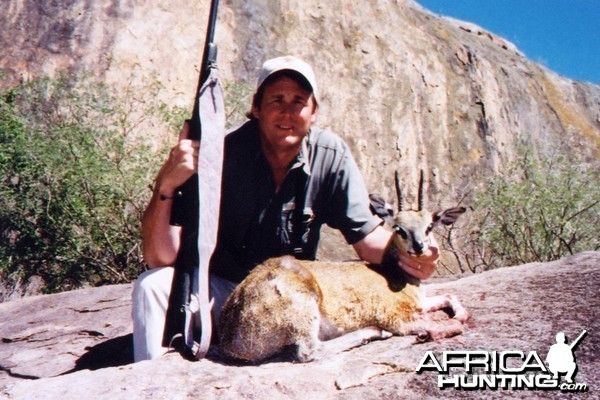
x=76, y=169
x=238, y=98
x=540, y=209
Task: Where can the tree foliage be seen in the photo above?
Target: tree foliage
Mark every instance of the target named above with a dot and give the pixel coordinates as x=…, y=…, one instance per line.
x=75, y=174
x=540, y=209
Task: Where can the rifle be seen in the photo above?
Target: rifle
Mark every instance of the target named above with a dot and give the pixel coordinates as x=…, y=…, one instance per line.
x=187, y=278
x=578, y=339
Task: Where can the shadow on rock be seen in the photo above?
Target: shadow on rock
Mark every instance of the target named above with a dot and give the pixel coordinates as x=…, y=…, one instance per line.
x=111, y=353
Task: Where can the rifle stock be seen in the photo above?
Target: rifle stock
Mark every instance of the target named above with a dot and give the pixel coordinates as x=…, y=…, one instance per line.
x=185, y=208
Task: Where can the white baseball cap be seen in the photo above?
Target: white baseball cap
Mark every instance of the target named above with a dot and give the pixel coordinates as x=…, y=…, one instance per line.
x=288, y=63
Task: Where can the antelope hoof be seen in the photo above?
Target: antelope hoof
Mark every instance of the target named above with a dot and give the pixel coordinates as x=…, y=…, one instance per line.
x=423, y=336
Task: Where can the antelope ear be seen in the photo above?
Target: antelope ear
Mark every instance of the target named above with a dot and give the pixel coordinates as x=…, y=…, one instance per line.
x=449, y=216
x=380, y=207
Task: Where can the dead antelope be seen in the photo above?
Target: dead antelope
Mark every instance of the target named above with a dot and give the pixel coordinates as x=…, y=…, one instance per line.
x=318, y=308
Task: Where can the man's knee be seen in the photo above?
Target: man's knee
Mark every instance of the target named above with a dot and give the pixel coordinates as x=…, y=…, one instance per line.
x=156, y=279
x=152, y=286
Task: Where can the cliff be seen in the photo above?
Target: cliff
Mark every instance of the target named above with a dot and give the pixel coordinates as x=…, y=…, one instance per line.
x=408, y=89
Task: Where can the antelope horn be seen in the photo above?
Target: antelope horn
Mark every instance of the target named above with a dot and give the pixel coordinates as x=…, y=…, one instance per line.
x=398, y=190
x=420, y=198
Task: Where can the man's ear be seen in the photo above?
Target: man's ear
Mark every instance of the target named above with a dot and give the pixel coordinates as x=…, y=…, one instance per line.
x=255, y=111
x=315, y=111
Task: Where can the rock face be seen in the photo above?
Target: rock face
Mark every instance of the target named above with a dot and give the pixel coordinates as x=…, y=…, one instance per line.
x=407, y=89
x=79, y=345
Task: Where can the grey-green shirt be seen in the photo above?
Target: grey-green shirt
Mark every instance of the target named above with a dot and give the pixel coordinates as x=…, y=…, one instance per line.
x=257, y=222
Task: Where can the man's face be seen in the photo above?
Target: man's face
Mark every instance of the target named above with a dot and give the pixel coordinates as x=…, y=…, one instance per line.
x=285, y=115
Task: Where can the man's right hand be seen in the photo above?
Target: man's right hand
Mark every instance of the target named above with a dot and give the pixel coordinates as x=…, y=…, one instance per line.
x=180, y=166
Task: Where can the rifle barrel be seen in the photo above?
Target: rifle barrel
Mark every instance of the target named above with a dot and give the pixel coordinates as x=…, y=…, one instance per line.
x=209, y=61
x=576, y=341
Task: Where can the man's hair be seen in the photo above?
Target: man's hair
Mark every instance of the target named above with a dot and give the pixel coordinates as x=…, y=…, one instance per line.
x=260, y=92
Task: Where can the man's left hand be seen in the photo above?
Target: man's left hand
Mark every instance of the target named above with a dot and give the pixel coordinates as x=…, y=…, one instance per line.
x=423, y=266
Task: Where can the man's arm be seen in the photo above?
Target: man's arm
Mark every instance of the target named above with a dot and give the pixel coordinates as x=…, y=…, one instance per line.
x=161, y=240
x=372, y=247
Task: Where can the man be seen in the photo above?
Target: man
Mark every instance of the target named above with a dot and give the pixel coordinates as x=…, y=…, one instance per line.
x=282, y=179
x=560, y=358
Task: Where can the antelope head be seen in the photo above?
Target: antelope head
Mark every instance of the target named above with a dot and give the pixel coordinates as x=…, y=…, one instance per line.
x=413, y=228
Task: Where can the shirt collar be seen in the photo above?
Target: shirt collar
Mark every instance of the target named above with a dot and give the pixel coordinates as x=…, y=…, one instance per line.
x=304, y=155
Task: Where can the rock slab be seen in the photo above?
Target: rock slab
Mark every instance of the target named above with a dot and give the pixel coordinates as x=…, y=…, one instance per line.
x=78, y=345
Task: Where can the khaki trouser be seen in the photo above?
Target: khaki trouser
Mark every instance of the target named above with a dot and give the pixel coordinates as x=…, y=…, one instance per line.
x=150, y=302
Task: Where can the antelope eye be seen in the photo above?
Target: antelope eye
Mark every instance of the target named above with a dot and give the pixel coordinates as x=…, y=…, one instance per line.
x=401, y=231
x=429, y=229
